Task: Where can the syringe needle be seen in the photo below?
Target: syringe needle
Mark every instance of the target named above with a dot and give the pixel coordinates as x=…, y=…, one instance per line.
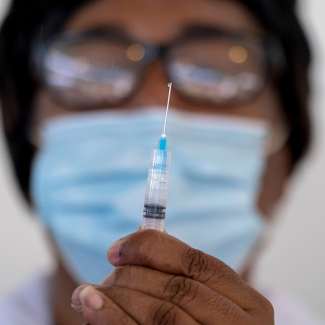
x=170, y=88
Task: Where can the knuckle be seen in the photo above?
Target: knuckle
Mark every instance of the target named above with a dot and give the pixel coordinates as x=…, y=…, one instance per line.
x=165, y=314
x=180, y=290
x=226, y=308
x=268, y=309
x=263, y=311
x=196, y=263
x=223, y=273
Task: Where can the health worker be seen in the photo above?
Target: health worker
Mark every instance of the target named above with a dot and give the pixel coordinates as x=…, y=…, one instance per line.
x=83, y=96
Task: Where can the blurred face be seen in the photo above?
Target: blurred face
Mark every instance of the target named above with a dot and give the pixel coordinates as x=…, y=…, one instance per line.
x=159, y=22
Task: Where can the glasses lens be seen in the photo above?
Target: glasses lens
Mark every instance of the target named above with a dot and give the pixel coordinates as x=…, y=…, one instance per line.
x=92, y=71
x=218, y=71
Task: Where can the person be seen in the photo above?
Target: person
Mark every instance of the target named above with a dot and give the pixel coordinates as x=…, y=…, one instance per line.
x=83, y=91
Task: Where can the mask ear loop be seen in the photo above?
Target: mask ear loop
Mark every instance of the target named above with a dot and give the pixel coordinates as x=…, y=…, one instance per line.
x=277, y=138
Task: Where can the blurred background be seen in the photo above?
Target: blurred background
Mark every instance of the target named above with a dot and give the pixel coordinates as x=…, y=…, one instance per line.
x=294, y=260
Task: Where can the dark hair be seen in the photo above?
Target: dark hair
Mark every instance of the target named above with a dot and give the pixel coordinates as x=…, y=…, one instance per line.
x=28, y=20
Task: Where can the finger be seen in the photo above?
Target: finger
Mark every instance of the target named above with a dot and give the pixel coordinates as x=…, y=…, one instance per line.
x=100, y=310
x=167, y=254
x=75, y=299
x=202, y=303
x=145, y=309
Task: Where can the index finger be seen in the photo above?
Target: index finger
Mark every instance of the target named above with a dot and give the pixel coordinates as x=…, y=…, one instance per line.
x=162, y=252
x=166, y=253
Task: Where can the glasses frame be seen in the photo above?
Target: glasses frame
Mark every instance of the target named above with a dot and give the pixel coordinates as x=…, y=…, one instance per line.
x=272, y=66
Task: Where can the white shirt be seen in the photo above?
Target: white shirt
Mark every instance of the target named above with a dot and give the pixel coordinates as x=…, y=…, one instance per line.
x=31, y=306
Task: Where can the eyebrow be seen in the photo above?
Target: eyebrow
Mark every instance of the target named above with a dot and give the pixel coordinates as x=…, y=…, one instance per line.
x=188, y=32
x=207, y=30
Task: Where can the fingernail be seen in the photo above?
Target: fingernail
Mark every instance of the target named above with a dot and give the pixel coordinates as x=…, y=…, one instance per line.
x=76, y=301
x=77, y=308
x=113, y=253
x=91, y=298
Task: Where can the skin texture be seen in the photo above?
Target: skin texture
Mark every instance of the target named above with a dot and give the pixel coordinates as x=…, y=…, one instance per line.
x=191, y=288
x=178, y=285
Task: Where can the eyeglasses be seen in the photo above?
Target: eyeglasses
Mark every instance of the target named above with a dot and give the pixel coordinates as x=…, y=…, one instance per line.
x=206, y=65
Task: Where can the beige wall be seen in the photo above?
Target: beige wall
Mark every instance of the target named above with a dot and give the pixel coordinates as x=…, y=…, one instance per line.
x=295, y=258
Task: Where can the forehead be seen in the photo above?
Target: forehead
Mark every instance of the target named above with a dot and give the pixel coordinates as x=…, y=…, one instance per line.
x=158, y=20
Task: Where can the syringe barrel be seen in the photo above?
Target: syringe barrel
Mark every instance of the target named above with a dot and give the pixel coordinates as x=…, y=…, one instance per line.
x=155, y=201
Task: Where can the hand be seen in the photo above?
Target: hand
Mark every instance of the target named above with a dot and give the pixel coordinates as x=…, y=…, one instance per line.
x=161, y=280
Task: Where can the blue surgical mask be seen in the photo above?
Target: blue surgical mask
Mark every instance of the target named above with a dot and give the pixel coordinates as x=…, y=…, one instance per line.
x=89, y=180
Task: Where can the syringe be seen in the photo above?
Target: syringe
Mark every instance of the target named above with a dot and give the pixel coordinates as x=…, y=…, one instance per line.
x=157, y=184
